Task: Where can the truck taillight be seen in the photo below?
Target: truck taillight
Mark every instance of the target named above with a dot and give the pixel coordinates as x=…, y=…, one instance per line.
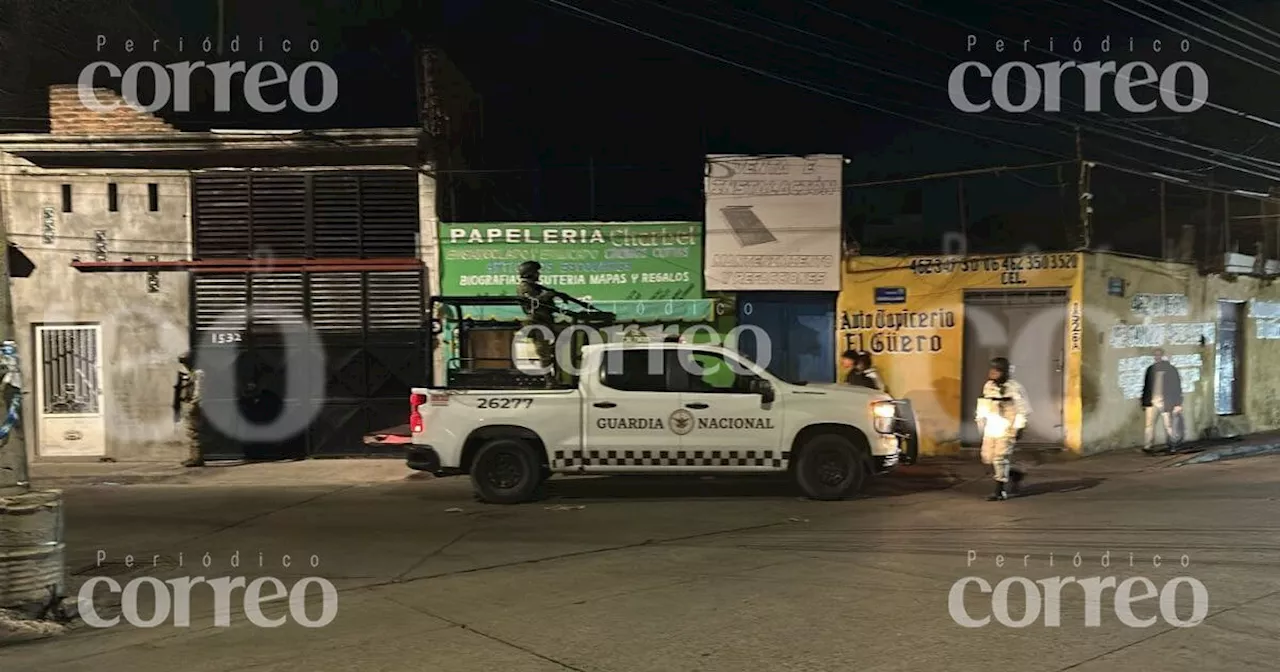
x=415, y=418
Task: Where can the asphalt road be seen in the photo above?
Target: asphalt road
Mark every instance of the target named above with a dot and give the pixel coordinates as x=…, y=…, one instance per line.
x=637, y=576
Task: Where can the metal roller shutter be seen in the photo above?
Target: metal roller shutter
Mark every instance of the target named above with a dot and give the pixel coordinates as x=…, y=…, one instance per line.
x=369, y=323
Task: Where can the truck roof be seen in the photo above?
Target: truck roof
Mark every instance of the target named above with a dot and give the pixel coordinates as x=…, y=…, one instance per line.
x=642, y=345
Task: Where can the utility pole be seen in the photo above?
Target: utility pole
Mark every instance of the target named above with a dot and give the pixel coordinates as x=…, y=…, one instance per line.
x=33, y=576
x=1085, y=195
x=1164, y=225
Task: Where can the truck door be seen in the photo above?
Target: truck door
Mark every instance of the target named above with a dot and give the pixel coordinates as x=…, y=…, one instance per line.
x=628, y=405
x=729, y=426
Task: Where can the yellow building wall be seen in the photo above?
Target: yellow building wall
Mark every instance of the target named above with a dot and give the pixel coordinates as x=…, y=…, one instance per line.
x=917, y=344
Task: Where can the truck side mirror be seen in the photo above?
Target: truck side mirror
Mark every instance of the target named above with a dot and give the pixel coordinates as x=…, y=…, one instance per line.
x=763, y=388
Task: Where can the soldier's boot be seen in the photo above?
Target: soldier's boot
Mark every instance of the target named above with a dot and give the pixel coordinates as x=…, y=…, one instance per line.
x=1016, y=477
x=1000, y=494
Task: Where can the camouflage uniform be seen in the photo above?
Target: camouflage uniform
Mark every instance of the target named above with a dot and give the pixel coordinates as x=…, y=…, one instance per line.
x=1002, y=415
x=189, y=380
x=540, y=311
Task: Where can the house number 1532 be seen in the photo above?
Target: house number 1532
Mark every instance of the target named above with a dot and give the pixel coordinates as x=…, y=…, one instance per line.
x=226, y=337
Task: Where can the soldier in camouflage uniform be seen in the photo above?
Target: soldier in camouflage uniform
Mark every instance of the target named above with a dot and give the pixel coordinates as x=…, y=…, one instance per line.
x=539, y=307
x=187, y=407
x=1002, y=416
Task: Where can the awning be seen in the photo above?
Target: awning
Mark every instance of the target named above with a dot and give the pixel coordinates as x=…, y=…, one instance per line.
x=675, y=310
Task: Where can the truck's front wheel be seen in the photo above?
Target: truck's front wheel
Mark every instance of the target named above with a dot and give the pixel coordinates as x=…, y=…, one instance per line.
x=831, y=467
x=506, y=471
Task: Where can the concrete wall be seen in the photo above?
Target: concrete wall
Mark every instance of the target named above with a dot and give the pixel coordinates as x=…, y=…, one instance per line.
x=143, y=333
x=1171, y=306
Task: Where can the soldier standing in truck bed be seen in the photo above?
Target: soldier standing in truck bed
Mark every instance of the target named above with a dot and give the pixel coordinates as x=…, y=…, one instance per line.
x=539, y=306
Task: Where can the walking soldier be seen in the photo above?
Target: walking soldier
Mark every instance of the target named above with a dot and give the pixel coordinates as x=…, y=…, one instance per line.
x=1001, y=415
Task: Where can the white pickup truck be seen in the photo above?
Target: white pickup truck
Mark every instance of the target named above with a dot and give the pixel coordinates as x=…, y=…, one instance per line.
x=661, y=408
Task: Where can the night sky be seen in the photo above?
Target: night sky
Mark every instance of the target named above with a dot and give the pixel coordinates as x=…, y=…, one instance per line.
x=578, y=115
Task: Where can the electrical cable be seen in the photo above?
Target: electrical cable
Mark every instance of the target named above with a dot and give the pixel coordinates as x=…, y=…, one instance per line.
x=1118, y=124
x=958, y=173
x=1268, y=176
x=1246, y=19
x=1210, y=104
x=764, y=73
x=1206, y=43
x=1227, y=23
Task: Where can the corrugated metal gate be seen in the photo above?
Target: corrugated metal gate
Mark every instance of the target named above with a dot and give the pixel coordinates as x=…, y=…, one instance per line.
x=367, y=324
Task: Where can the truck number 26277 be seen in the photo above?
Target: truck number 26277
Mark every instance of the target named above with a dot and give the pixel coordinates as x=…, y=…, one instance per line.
x=505, y=402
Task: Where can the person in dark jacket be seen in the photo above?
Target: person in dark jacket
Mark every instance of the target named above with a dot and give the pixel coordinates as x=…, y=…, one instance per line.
x=1162, y=397
x=854, y=362
x=868, y=369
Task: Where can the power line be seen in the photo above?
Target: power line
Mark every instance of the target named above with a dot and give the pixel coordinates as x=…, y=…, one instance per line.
x=1246, y=19
x=1192, y=37
x=1269, y=176
x=1243, y=193
x=959, y=173
x=1207, y=103
x=773, y=76
x=856, y=64
x=1227, y=23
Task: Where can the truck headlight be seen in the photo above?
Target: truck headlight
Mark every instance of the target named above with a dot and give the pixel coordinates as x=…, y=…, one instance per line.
x=884, y=414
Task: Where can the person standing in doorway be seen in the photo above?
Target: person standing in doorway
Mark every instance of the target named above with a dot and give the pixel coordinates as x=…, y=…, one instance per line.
x=1001, y=416
x=1162, y=397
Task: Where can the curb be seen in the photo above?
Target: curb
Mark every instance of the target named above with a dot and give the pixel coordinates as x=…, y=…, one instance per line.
x=1231, y=453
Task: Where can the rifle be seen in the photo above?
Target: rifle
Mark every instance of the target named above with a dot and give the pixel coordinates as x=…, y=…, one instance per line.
x=179, y=386
x=589, y=313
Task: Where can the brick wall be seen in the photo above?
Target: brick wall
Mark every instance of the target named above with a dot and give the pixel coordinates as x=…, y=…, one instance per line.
x=69, y=116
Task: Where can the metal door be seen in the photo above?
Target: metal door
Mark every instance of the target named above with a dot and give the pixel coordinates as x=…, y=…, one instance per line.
x=1029, y=329
x=369, y=324
x=69, y=394
x=800, y=329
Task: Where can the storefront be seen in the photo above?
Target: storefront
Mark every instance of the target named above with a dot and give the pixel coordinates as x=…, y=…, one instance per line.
x=649, y=274
x=933, y=324
x=774, y=238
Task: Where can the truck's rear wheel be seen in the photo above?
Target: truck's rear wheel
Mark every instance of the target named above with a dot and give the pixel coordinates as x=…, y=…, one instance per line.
x=831, y=467
x=506, y=471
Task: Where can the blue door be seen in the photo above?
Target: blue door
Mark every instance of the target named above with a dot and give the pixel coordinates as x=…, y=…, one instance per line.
x=801, y=329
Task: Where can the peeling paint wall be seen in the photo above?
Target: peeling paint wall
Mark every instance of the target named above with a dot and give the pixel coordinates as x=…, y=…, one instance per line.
x=144, y=320
x=1135, y=305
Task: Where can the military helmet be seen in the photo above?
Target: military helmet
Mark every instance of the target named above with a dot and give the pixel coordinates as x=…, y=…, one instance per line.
x=529, y=268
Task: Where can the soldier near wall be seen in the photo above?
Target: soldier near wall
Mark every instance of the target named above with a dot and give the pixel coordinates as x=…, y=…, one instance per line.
x=186, y=407
x=539, y=307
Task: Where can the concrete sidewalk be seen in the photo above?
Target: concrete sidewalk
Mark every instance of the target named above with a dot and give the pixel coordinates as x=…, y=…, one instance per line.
x=302, y=472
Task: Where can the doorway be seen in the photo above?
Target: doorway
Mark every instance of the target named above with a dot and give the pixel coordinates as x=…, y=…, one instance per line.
x=69, y=391
x=1028, y=328
x=801, y=328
